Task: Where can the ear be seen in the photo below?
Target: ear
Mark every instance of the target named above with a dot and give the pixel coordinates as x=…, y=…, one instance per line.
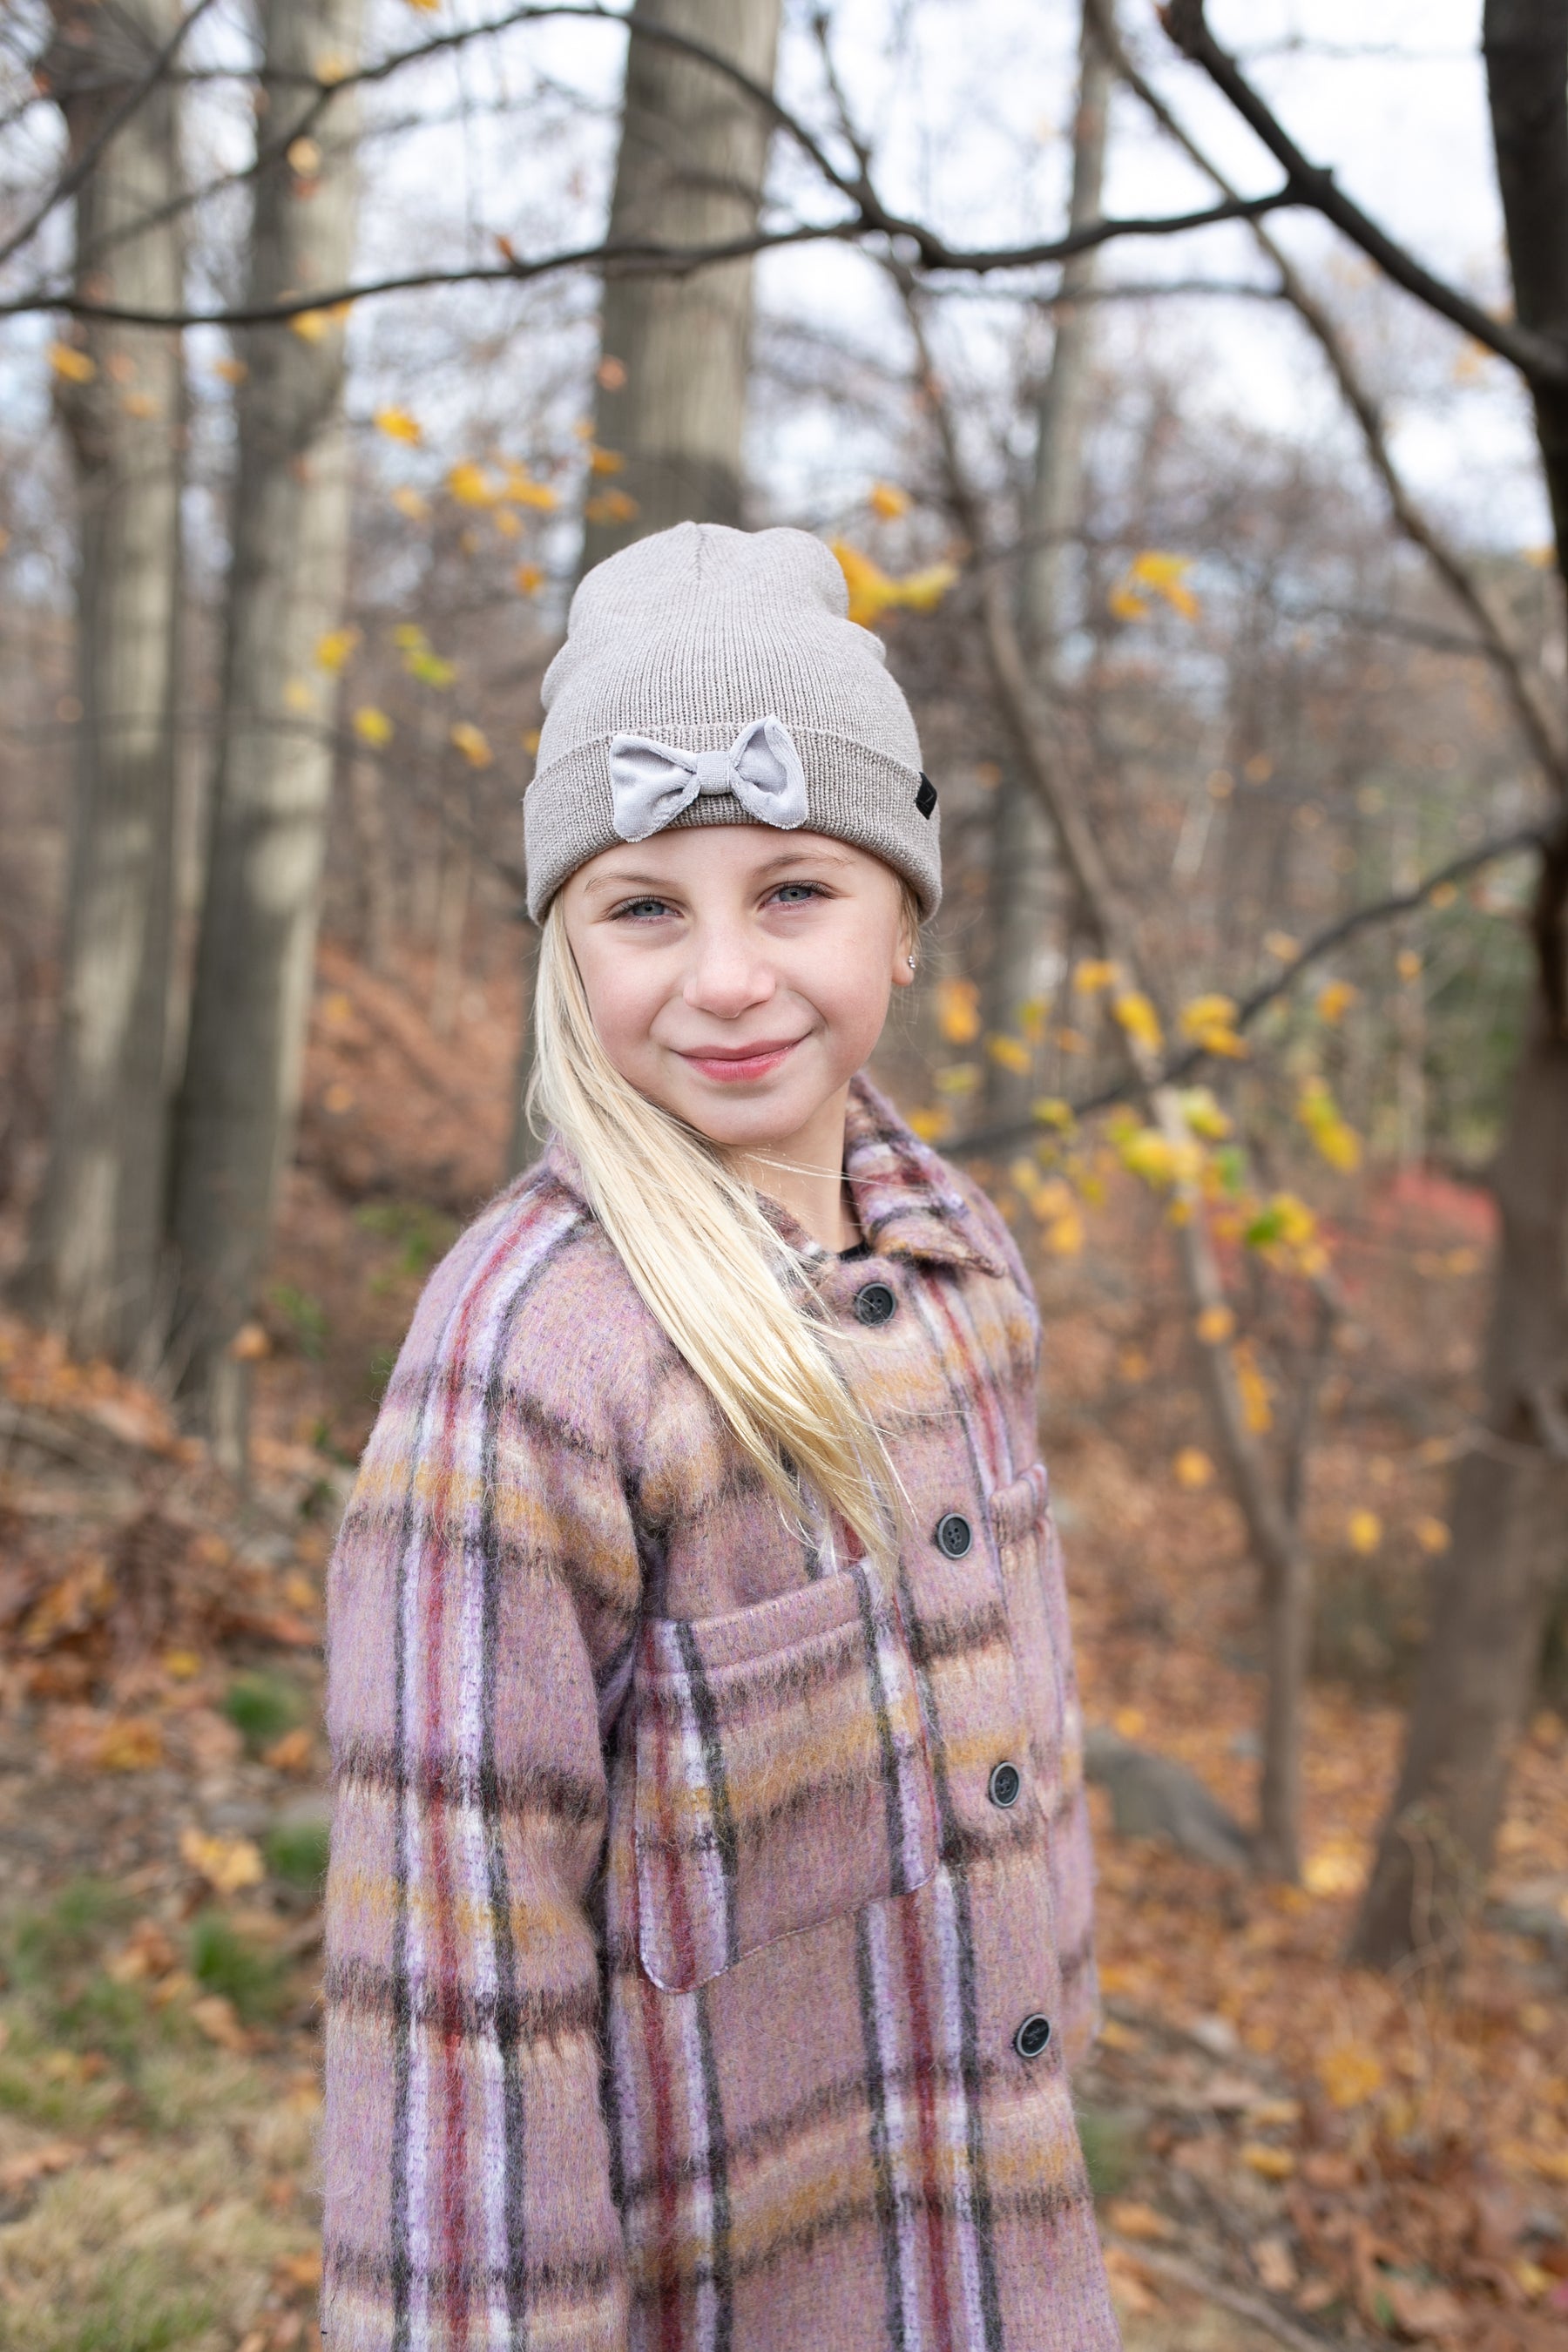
x=907, y=944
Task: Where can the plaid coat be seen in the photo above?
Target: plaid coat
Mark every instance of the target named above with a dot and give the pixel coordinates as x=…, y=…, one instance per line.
x=689, y=1969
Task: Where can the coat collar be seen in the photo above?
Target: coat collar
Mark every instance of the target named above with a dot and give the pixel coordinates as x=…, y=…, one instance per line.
x=906, y=1202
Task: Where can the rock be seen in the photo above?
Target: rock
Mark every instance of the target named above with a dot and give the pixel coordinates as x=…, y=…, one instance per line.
x=1154, y=1797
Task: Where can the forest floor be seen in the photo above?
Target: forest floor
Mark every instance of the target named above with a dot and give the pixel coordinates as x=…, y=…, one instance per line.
x=1285, y=2150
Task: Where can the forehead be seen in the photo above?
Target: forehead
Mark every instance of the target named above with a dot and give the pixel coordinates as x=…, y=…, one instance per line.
x=690, y=858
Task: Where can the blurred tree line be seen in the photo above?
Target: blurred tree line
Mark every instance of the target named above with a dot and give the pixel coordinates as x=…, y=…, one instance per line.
x=1254, y=782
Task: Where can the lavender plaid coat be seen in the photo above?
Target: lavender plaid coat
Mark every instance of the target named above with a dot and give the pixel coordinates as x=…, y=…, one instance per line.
x=678, y=1940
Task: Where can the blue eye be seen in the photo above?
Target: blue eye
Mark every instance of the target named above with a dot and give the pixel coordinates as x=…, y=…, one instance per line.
x=643, y=910
x=806, y=890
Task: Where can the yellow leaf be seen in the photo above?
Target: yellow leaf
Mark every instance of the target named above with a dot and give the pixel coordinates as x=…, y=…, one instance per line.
x=408, y=501
x=1032, y=1016
x=958, y=1078
x=1272, y=2163
x=507, y=523
x=1319, y=1113
x=229, y=1865
x=1139, y=1018
x=472, y=742
x=931, y=1125
x=1212, y=1013
x=134, y=1744
x=1350, y=2072
x=1132, y=1363
x=310, y=326
x=1193, y=1468
x=958, y=1012
x=922, y=592
x=1214, y=1325
x=1166, y=574
x=528, y=579
x=610, y=506
x=1127, y=604
x=333, y=67
x=334, y=648
x=888, y=501
x=291, y=1753
x=530, y=738
x=1433, y=1535
x=1407, y=964
x=1010, y=1054
x=372, y=726
x=1204, y=1115
x=399, y=425
x=1096, y=974
x=1065, y=1235
x=525, y=491
x=1256, y=1410
x=184, y=1665
x=73, y=364
x=1281, y=946
x=1335, y=999
x=1051, y=1111
x=1364, y=1532
x=606, y=461
x=1442, y=894
x=230, y=370
x=872, y=591
x=471, y=485
x=303, y=156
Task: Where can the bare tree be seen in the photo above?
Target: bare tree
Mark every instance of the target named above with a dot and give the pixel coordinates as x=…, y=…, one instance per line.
x=271, y=788
x=1492, y=1591
x=1053, y=515
x=689, y=172
x=93, y=1260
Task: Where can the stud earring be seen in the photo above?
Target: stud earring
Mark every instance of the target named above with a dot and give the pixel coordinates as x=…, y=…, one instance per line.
x=911, y=961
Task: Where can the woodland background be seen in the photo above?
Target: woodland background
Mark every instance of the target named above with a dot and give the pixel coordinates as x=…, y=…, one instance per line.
x=1214, y=526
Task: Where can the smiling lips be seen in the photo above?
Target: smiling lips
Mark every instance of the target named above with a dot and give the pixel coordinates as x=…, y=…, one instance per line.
x=730, y=1064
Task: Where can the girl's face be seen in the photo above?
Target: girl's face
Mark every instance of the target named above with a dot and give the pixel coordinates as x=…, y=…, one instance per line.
x=738, y=975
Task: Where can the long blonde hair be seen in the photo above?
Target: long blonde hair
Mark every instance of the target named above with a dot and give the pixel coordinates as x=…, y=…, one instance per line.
x=730, y=1297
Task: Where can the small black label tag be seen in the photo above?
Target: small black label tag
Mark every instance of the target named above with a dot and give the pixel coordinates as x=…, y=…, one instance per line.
x=925, y=799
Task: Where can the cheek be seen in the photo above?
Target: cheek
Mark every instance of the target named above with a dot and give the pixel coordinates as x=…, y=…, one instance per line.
x=624, y=997
x=850, y=989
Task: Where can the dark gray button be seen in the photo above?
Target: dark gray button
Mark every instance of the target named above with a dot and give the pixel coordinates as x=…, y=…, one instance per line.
x=954, y=1535
x=1004, y=1784
x=1032, y=2035
x=876, y=1304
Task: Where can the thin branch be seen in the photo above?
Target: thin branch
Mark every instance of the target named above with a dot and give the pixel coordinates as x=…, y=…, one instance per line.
x=657, y=260
x=1417, y=527
x=1360, y=919
x=70, y=179
x=1541, y=358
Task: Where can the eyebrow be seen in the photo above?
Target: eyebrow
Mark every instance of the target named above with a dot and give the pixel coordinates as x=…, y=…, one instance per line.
x=665, y=882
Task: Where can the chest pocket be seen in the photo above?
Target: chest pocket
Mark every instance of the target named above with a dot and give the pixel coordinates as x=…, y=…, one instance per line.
x=781, y=1774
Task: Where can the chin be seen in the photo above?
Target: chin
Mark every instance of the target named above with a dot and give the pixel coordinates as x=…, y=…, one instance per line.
x=746, y=1126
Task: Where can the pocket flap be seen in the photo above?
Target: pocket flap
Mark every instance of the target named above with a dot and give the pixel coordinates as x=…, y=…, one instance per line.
x=782, y=1773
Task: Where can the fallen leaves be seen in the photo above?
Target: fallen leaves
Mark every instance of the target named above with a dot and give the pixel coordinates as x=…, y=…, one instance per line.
x=215, y=2016
x=229, y=1864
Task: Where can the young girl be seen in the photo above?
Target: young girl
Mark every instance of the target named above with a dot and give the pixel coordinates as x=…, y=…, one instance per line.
x=708, y=1924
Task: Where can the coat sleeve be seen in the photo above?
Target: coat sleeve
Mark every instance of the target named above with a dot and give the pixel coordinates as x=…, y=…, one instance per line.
x=481, y=1609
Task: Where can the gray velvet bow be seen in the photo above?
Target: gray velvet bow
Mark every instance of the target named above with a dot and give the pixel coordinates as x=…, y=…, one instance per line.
x=652, y=782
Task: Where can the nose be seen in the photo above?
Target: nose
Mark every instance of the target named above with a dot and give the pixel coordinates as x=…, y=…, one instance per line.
x=727, y=976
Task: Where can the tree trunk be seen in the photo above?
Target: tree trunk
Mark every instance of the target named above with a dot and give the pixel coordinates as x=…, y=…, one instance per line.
x=377, y=891
x=93, y=1263
x=1020, y=857
x=1492, y=1591
x=672, y=380
x=271, y=787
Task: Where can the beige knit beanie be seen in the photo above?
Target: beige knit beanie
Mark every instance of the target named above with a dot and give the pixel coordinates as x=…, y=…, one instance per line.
x=677, y=650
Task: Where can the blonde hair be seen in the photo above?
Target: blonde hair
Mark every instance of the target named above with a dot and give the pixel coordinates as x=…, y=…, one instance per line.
x=727, y=1291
